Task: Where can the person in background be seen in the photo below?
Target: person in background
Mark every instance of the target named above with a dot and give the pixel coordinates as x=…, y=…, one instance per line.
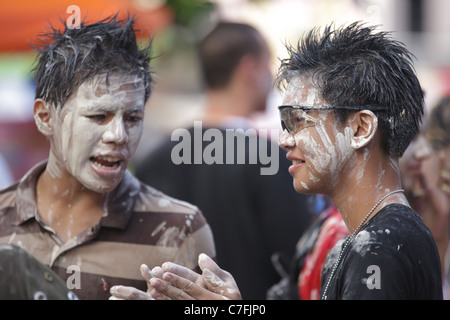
x=303, y=278
x=81, y=212
x=6, y=176
x=253, y=216
x=438, y=167
x=423, y=193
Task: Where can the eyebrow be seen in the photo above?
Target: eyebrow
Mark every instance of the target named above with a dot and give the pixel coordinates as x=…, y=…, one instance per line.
x=99, y=107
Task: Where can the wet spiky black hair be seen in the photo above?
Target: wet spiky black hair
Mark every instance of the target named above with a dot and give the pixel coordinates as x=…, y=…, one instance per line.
x=68, y=58
x=354, y=65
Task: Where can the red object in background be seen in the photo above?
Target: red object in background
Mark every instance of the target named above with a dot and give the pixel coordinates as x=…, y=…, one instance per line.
x=21, y=21
x=333, y=229
x=21, y=143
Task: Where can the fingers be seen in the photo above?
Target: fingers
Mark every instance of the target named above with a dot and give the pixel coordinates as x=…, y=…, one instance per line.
x=218, y=280
x=145, y=272
x=176, y=282
x=175, y=287
x=213, y=280
x=182, y=278
x=205, y=262
x=178, y=270
x=227, y=289
x=172, y=287
x=128, y=293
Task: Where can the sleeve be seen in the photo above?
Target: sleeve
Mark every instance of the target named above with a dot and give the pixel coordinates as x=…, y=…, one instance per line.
x=375, y=271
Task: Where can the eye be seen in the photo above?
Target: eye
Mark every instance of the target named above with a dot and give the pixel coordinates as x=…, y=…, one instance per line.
x=134, y=118
x=298, y=119
x=96, y=117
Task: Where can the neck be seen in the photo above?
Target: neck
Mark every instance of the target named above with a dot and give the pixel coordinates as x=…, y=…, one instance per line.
x=66, y=205
x=365, y=190
x=228, y=102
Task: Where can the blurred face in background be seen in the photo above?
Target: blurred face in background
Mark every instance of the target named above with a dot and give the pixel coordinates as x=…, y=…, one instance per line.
x=411, y=165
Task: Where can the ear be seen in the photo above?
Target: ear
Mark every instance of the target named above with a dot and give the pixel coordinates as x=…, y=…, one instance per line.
x=42, y=117
x=364, y=127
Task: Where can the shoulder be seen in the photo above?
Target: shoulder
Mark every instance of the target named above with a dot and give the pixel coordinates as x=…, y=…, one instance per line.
x=151, y=199
x=8, y=196
x=172, y=211
x=398, y=230
x=9, y=199
x=396, y=226
x=176, y=223
x=396, y=249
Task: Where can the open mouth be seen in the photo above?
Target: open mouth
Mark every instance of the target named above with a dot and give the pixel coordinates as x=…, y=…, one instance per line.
x=106, y=162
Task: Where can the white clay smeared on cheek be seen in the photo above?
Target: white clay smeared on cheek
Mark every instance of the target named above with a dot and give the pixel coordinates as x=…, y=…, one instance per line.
x=286, y=139
x=322, y=155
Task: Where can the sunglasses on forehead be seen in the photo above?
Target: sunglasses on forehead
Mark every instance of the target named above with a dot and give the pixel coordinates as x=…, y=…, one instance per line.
x=294, y=118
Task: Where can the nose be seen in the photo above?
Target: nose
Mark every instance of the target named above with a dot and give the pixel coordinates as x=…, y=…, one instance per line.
x=286, y=140
x=115, y=132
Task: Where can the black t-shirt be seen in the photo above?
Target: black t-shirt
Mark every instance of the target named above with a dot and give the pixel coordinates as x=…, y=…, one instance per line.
x=394, y=256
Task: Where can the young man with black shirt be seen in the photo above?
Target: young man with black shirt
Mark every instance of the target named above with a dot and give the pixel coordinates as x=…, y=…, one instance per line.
x=351, y=107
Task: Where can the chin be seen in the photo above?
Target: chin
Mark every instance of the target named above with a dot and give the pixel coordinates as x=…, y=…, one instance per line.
x=302, y=187
x=99, y=186
x=309, y=187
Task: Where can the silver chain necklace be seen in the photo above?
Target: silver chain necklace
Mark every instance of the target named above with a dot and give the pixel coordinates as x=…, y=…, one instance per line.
x=350, y=239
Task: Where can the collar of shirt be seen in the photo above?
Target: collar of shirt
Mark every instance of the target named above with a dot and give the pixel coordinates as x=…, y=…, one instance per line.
x=119, y=206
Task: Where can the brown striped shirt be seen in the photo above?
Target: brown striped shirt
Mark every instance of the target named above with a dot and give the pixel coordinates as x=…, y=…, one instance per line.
x=142, y=225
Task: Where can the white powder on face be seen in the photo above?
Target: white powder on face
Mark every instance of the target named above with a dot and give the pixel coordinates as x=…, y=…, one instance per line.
x=77, y=138
x=322, y=154
x=286, y=139
x=327, y=149
x=301, y=91
x=311, y=99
